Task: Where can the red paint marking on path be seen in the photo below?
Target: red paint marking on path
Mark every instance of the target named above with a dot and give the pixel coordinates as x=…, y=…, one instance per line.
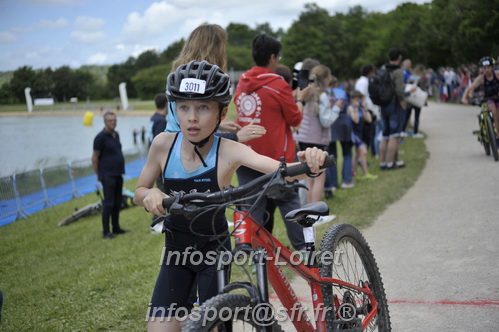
x=478, y=303
x=446, y=302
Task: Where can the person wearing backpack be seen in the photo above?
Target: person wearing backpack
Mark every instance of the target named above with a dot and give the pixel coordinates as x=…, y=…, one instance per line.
x=392, y=114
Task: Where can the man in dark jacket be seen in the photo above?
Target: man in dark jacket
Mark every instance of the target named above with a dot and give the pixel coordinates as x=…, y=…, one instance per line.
x=157, y=124
x=393, y=115
x=109, y=165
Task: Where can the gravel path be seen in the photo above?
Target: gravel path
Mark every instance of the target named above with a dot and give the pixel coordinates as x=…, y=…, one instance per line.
x=437, y=247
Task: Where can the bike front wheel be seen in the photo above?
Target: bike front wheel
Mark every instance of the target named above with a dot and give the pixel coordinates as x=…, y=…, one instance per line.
x=483, y=138
x=492, y=139
x=228, y=312
x=353, y=262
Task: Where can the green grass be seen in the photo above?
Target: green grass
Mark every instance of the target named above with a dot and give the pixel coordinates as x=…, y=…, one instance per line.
x=94, y=105
x=69, y=279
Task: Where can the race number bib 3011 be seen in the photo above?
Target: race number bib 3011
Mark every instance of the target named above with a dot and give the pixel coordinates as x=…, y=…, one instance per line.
x=192, y=85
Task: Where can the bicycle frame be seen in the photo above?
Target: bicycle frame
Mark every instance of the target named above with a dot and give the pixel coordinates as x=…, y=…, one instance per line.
x=248, y=232
x=482, y=116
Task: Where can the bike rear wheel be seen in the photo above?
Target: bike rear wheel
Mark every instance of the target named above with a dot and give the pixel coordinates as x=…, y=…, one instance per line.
x=85, y=211
x=352, y=261
x=492, y=139
x=226, y=312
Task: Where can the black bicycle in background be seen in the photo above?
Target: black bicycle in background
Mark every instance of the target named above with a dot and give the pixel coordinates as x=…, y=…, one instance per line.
x=96, y=208
x=486, y=134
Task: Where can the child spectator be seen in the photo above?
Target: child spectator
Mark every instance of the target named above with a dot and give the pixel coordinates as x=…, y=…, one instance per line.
x=358, y=113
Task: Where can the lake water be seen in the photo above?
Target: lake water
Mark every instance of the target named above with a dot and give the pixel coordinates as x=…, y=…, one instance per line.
x=28, y=143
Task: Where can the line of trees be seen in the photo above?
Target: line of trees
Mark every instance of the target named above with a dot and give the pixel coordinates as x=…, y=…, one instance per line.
x=440, y=33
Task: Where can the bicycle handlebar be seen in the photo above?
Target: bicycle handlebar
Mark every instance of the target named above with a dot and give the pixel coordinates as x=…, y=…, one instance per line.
x=480, y=101
x=177, y=201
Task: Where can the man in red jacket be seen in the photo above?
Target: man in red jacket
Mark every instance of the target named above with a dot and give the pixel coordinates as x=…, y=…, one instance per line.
x=264, y=98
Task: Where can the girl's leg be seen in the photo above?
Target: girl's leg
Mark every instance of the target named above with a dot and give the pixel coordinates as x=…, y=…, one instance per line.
x=170, y=298
x=417, y=112
x=173, y=325
x=408, y=112
x=494, y=108
x=355, y=163
x=347, y=161
x=361, y=151
x=332, y=172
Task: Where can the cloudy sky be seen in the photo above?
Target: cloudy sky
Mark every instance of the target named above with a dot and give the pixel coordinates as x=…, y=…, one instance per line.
x=53, y=33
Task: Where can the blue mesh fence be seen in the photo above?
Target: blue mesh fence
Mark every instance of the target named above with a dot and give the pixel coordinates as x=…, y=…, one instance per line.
x=25, y=193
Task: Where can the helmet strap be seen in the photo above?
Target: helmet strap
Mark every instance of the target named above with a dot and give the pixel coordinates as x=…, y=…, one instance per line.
x=205, y=140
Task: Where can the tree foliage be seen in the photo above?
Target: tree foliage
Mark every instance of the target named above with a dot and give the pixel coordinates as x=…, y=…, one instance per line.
x=150, y=81
x=438, y=33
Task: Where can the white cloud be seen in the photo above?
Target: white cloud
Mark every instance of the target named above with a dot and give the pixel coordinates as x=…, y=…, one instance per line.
x=98, y=58
x=88, y=30
x=52, y=25
x=54, y=2
x=21, y=29
x=139, y=49
x=7, y=37
x=86, y=23
x=30, y=55
x=83, y=37
x=155, y=21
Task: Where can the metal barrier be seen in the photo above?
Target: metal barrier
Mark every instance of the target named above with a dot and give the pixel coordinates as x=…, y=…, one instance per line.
x=28, y=192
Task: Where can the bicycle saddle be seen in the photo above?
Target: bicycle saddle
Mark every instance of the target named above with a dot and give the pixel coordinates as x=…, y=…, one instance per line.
x=307, y=212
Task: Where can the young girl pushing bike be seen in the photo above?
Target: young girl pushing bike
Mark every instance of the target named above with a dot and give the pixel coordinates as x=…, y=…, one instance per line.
x=195, y=160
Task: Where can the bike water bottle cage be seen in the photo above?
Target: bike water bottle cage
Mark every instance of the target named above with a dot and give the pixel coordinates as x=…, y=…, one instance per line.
x=200, y=80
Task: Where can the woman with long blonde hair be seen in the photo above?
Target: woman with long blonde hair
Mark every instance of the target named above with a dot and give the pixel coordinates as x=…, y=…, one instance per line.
x=206, y=42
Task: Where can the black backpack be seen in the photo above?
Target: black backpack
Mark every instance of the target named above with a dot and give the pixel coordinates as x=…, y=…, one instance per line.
x=381, y=89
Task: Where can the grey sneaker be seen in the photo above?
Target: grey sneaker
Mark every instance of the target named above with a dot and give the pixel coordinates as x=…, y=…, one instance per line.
x=324, y=219
x=347, y=185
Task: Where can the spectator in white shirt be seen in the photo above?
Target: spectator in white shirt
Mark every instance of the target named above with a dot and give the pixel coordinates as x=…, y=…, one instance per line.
x=373, y=129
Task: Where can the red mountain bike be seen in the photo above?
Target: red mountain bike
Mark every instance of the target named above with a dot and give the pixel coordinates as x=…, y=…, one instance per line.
x=345, y=285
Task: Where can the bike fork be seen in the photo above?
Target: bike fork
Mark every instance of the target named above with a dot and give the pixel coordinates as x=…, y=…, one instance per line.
x=263, y=316
x=312, y=263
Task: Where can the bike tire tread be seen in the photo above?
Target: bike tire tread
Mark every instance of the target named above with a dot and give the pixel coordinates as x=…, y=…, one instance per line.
x=218, y=302
x=332, y=237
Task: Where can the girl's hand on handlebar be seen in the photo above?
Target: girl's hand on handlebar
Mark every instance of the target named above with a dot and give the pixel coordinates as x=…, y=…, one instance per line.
x=153, y=201
x=314, y=158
